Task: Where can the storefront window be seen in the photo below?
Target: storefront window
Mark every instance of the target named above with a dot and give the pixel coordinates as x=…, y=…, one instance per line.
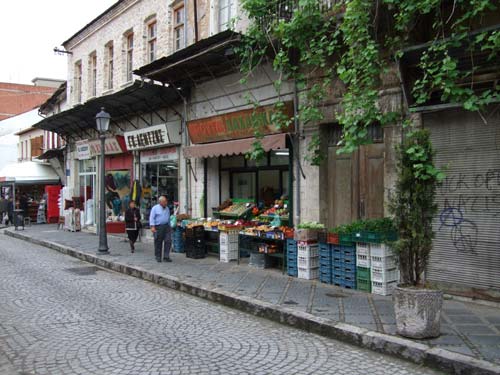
x=279, y=157
x=87, y=179
x=159, y=179
x=233, y=162
x=269, y=186
x=243, y=185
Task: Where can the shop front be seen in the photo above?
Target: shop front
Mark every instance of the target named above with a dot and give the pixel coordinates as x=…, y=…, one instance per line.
x=119, y=170
x=157, y=159
x=239, y=191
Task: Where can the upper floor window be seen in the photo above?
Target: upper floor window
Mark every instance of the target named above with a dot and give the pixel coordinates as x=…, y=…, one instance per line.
x=179, y=20
x=130, y=56
x=93, y=74
x=77, y=84
x=152, y=41
x=227, y=11
x=109, y=65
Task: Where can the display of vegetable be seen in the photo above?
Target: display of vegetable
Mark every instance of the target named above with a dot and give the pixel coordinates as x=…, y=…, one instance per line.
x=384, y=225
x=310, y=225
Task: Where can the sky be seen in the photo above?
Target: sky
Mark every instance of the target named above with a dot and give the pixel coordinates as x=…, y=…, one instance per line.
x=30, y=29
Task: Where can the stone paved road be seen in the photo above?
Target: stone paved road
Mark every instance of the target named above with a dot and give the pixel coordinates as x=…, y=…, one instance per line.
x=59, y=315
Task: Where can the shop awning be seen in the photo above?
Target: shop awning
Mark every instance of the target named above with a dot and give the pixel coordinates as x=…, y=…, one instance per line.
x=136, y=99
x=235, y=147
x=205, y=60
x=28, y=172
x=52, y=153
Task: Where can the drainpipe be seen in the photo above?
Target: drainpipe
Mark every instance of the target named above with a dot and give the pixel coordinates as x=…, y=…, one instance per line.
x=296, y=151
x=187, y=176
x=195, y=11
x=185, y=23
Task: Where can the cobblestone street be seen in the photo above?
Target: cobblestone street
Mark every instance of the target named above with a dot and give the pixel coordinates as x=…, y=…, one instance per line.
x=59, y=315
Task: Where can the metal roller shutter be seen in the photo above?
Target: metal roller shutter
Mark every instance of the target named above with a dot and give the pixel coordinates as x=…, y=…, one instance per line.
x=466, y=249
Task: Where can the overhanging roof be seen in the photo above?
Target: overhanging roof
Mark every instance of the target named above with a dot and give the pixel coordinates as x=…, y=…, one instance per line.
x=204, y=60
x=29, y=172
x=52, y=153
x=235, y=147
x=136, y=99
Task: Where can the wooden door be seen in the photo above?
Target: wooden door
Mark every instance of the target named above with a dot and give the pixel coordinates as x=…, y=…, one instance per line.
x=355, y=184
x=371, y=181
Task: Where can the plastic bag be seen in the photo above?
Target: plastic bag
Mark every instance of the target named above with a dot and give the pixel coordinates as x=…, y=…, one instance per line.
x=173, y=221
x=276, y=221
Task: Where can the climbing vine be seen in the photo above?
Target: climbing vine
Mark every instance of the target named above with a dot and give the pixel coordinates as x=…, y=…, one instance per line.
x=351, y=45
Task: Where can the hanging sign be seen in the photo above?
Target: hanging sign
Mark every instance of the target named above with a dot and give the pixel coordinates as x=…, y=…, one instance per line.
x=153, y=136
x=82, y=150
x=159, y=154
x=111, y=146
x=241, y=124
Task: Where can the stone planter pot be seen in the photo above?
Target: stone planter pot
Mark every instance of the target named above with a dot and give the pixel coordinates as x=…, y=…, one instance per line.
x=418, y=312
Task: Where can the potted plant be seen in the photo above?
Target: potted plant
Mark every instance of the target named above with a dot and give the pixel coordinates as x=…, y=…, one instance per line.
x=417, y=307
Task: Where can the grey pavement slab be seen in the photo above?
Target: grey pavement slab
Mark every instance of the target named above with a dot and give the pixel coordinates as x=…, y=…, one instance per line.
x=468, y=328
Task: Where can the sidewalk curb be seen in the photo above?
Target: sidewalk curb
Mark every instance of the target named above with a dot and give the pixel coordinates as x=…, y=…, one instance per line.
x=418, y=353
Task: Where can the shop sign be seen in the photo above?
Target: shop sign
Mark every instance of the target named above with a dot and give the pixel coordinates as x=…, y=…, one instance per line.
x=159, y=154
x=82, y=150
x=153, y=136
x=241, y=124
x=111, y=146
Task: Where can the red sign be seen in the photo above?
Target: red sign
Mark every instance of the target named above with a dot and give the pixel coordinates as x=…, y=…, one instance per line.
x=241, y=124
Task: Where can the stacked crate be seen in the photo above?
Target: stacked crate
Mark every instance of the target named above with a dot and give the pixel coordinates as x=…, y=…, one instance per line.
x=178, y=239
x=384, y=271
x=291, y=257
x=307, y=260
x=344, y=266
x=325, y=263
x=195, y=242
x=363, y=262
x=228, y=242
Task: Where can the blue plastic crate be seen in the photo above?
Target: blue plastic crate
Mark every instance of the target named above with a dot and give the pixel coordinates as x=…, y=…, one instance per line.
x=325, y=269
x=349, y=276
x=325, y=278
x=292, y=271
x=349, y=284
x=349, y=268
x=348, y=262
x=325, y=263
x=291, y=243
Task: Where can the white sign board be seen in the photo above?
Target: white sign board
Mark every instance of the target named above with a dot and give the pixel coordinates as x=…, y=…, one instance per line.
x=82, y=150
x=152, y=136
x=159, y=154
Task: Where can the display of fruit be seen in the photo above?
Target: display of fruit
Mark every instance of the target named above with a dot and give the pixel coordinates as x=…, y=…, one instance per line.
x=227, y=203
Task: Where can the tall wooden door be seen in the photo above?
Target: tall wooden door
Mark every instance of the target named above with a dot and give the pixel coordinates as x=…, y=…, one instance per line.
x=355, y=181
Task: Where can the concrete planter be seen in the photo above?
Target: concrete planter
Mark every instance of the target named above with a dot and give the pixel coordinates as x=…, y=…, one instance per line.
x=418, y=312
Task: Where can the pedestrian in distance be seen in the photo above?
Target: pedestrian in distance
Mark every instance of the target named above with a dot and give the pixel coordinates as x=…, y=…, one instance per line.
x=132, y=224
x=159, y=221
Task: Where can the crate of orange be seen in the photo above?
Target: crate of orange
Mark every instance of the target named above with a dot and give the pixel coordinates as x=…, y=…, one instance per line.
x=333, y=238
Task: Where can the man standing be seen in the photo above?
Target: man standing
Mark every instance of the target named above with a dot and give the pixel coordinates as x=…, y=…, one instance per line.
x=159, y=221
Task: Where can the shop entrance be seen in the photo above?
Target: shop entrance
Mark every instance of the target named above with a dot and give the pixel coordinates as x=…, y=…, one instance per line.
x=159, y=179
x=87, y=176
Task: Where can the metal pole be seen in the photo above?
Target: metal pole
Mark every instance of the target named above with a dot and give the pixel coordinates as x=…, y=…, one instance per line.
x=103, y=237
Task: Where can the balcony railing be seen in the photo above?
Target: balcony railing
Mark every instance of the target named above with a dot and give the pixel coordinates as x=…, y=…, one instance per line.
x=282, y=10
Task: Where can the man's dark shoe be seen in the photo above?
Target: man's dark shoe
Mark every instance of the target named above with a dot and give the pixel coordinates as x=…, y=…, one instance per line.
x=167, y=259
x=158, y=260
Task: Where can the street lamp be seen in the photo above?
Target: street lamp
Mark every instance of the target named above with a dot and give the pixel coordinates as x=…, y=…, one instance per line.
x=102, y=120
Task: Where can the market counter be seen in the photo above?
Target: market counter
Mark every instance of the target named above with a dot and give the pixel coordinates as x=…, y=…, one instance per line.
x=115, y=226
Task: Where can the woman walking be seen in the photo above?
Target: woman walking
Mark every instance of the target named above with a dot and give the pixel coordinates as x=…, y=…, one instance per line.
x=132, y=224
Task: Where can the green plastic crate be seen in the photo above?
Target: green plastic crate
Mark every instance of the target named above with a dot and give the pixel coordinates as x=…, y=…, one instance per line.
x=363, y=273
x=364, y=285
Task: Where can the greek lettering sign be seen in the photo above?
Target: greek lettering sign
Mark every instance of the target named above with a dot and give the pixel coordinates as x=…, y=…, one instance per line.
x=111, y=146
x=241, y=124
x=153, y=136
x=82, y=150
x=159, y=154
